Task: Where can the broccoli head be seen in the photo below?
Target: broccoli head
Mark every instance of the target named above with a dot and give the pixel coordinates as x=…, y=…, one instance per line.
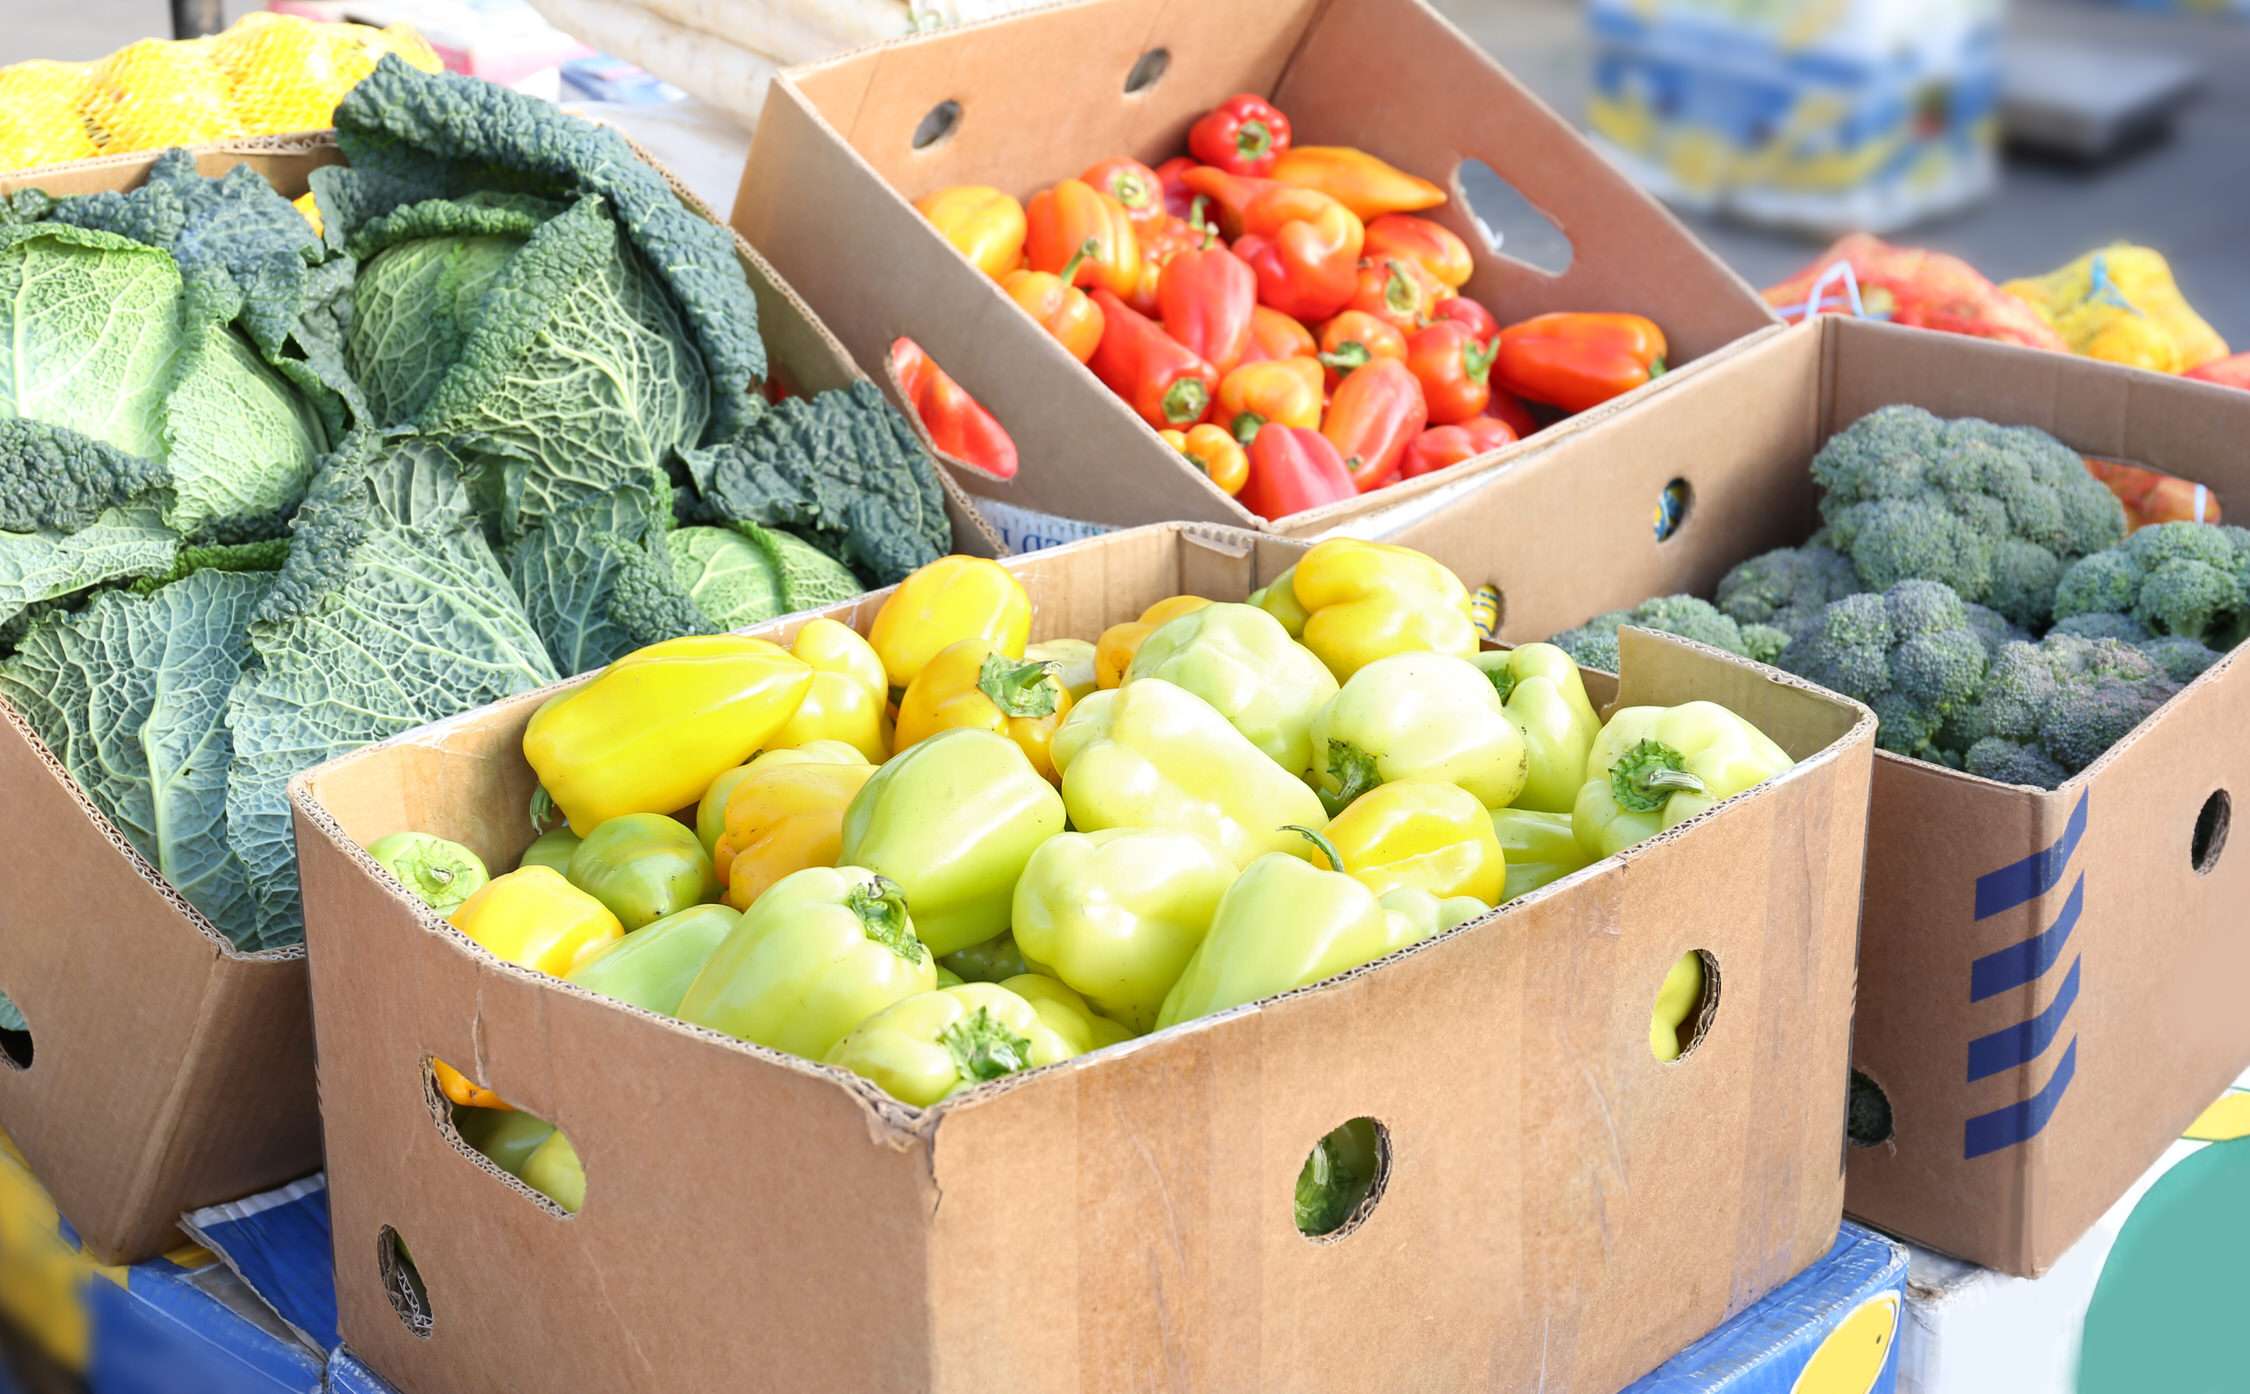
x=1994, y=512
x=1787, y=587
x=2182, y=659
x=2050, y=709
x=2191, y=580
x=1594, y=643
x=1912, y=653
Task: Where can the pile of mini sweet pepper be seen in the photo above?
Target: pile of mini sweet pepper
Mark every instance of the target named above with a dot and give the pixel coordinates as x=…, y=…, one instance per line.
x=1282, y=315
x=939, y=853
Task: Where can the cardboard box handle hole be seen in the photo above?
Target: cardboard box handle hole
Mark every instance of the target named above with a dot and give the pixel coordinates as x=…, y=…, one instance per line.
x=15, y=1035
x=1342, y=1180
x=1686, y=1003
x=1511, y=224
x=1147, y=71
x=2210, y=840
x=402, y=1283
x=938, y=125
x=1672, y=504
x=1867, y=1115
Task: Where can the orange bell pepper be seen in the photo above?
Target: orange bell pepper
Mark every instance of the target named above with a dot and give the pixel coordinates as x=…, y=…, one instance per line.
x=1059, y=307
x=1167, y=382
x=1114, y=650
x=1356, y=338
x=1431, y=246
x=1361, y=182
x=1372, y=418
x=1303, y=245
x=1284, y=391
x=974, y=686
x=1441, y=446
x=984, y=224
x=1206, y=298
x=1161, y=243
x=1063, y=219
x=1275, y=335
x=1218, y=454
x=958, y=424
x=1579, y=361
x=1454, y=369
x=1135, y=187
x=1398, y=291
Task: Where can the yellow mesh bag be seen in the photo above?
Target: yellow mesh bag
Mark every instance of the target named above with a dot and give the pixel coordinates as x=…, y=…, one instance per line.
x=287, y=74
x=39, y=120
x=155, y=93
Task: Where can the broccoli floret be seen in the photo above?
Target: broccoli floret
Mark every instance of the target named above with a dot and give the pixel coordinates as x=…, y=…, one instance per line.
x=2102, y=624
x=2185, y=579
x=1787, y=587
x=1994, y=512
x=2053, y=707
x=1912, y=653
x=2182, y=659
x=1594, y=643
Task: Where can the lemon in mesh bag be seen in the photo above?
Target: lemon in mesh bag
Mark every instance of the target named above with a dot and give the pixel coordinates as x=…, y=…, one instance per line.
x=285, y=73
x=39, y=120
x=155, y=93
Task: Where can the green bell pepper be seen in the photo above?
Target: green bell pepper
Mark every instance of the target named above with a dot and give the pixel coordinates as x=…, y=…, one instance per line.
x=552, y=850
x=1240, y=660
x=1152, y=754
x=994, y=961
x=1279, y=600
x=507, y=1136
x=653, y=966
x=644, y=866
x=1654, y=767
x=1419, y=716
x=554, y=1171
x=1116, y=914
x=1542, y=693
x=1427, y=916
x=1540, y=848
x=936, y=1044
x=439, y=873
x=823, y=950
x=953, y=819
x=946, y=977
x=1067, y=1014
x=1336, y=1177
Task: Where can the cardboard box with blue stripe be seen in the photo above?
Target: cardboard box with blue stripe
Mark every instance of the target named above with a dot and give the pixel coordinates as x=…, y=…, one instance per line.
x=2049, y=973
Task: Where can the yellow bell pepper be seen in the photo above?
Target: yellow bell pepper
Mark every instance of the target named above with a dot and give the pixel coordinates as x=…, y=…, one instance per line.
x=1067, y=1014
x=971, y=685
x=936, y=1044
x=653, y=729
x=534, y=919
x=1368, y=600
x=711, y=810
x=848, y=694
x=1114, y=651
x=1074, y=664
x=951, y=599
x=1675, y=1000
x=984, y=224
x=785, y=816
x=1424, y=835
x=2121, y=304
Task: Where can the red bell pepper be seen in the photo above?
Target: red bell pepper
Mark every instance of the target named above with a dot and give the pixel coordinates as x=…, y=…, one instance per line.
x=1303, y=244
x=1063, y=219
x=1431, y=246
x=1372, y=418
x=1159, y=245
x=1355, y=338
x=1206, y=298
x=1167, y=382
x=1579, y=361
x=1291, y=470
x=1179, y=199
x=1399, y=292
x=1441, y=446
x=1274, y=335
x=1454, y=369
x=1059, y=307
x=958, y=425
x=2226, y=372
x=1242, y=135
x=1470, y=315
x=1135, y=187
x=1510, y=408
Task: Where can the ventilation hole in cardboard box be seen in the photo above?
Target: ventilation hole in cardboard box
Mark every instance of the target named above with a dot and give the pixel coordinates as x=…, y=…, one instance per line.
x=2211, y=832
x=402, y=1283
x=15, y=1035
x=1511, y=224
x=1342, y=1179
x=1685, y=1005
x=1672, y=504
x=1148, y=71
x=938, y=124
x=1867, y=1113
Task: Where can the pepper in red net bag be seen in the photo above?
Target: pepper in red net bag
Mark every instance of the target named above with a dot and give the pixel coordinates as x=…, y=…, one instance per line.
x=1924, y=289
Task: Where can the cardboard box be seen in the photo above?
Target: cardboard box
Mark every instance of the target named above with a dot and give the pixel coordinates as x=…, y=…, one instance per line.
x=761, y=1221
x=164, y=1068
x=835, y=164
x=2048, y=983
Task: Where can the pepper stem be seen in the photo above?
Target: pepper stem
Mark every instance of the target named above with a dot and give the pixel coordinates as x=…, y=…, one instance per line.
x=1327, y=848
x=1185, y=401
x=881, y=907
x=1245, y=428
x=1092, y=246
x=1017, y=689
x=1253, y=140
x=1346, y=356
x=1199, y=223
x=1476, y=359
x=542, y=809
x=1646, y=777
x=983, y=1048
x=1400, y=293
x=1503, y=681
x=1354, y=771
x=1656, y=369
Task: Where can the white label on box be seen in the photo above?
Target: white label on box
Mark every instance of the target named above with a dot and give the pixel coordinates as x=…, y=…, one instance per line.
x=1028, y=530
